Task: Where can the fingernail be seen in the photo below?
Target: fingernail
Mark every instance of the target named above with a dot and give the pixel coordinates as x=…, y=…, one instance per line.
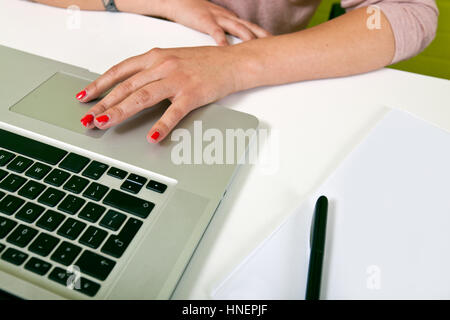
x=154, y=136
x=80, y=95
x=102, y=119
x=87, y=119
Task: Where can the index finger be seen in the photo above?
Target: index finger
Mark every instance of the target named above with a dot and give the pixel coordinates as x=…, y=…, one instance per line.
x=110, y=78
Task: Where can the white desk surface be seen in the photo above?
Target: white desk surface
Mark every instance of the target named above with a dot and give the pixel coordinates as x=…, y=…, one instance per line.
x=319, y=122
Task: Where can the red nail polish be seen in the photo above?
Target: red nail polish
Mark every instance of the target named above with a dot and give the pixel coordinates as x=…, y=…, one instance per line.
x=80, y=95
x=155, y=135
x=87, y=119
x=102, y=119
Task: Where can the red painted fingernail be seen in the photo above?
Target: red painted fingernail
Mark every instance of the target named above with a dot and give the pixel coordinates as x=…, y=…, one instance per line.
x=80, y=95
x=102, y=119
x=87, y=119
x=155, y=136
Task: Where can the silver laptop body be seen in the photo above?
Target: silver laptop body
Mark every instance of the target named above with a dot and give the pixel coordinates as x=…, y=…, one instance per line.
x=37, y=102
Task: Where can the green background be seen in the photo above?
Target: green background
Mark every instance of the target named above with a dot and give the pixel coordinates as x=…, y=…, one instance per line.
x=433, y=61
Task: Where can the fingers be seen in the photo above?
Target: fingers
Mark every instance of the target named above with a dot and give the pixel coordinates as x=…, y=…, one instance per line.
x=145, y=97
x=257, y=30
x=208, y=25
x=173, y=115
x=122, y=91
x=218, y=34
x=236, y=28
x=219, y=11
x=111, y=77
x=219, y=21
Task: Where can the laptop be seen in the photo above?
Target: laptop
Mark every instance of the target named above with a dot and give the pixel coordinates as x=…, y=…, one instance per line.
x=91, y=214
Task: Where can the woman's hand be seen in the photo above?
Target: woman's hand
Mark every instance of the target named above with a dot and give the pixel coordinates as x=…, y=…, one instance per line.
x=188, y=77
x=211, y=19
x=200, y=15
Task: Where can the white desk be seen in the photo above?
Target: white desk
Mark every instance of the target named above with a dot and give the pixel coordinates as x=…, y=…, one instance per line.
x=318, y=121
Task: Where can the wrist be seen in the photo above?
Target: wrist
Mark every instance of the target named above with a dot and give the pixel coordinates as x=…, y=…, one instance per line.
x=247, y=66
x=158, y=8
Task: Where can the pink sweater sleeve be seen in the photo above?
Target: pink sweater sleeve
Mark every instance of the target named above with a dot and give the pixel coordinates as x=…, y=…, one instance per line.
x=413, y=23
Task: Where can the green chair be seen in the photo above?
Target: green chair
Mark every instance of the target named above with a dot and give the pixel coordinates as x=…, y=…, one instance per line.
x=433, y=61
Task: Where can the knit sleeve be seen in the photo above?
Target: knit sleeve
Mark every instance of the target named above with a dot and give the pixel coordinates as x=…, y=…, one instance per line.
x=413, y=22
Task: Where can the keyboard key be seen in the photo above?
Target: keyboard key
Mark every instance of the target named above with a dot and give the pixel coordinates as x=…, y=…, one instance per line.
x=117, y=173
x=93, y=237
x=69, y=280
x=95, y=170
x=95, y=191
x=66, y=253
x=10, y=204
x=71, y=204
x=88, y=287
x=5, y=157
x=2, y=247
x=137, y=179
x=57, y=177
x=50, y=220
x=95, y=265
x=20, y=164
x=71, y=229
x=92, y=212
x=29, y=212
x=61, y=276
x=131, y=186
x=38, y=171
x=38, y=266
x=113, y=220
x=31, y=148
x=12, y=183
x=156, y=186
x=6, y=226
x=129, y=203
x=22, y=235
x=43, y=244
x=66, y=279
x=117, y=244
x=31, y=190
x=14, y=256
x=74, y=163
x=51, y=197
x=3, y=174
x=76, y=184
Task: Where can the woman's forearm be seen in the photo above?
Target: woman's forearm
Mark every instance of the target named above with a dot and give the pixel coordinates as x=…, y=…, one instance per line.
x=96, y=5
x=145, y=7
x=339, y=47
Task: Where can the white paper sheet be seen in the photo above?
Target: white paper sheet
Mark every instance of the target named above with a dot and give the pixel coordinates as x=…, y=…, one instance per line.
x=276, y=269
x=388, y=234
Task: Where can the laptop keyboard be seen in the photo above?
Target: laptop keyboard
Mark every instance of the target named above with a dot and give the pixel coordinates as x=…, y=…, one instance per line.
x=54, y=213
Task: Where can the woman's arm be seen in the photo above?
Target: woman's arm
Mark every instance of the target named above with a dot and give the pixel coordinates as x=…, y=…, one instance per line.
x=83, y=4
x=413, y=22
x=339, y=47
x=200, y=15
x=153, y=8
x=193, y=77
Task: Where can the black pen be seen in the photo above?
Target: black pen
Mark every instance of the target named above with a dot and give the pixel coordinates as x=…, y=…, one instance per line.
x=318, y=232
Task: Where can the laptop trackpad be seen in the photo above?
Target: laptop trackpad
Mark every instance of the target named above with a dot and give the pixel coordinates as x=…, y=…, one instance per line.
x=54, y=102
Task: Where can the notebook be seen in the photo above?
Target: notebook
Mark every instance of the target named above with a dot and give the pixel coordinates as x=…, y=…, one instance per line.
x=388, y=232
